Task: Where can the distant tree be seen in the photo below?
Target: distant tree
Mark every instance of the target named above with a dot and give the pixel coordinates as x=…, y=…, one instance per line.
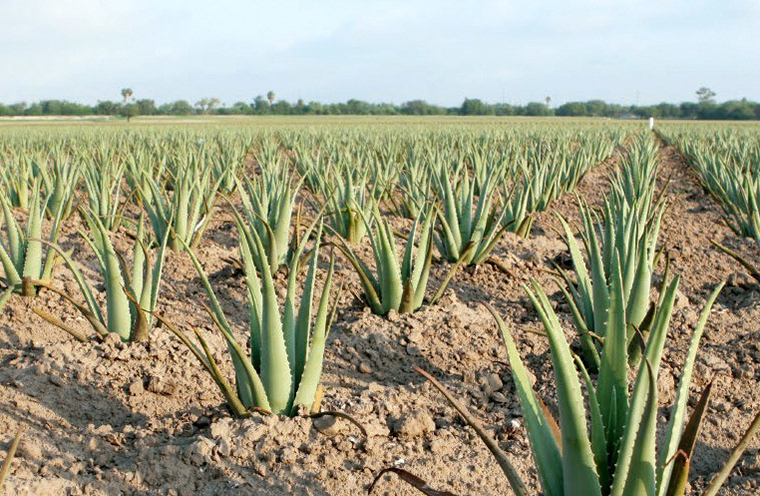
x=688, y=110
x=504, y=109
x=474, y=106
x=126, y=94
x=146, y=107
x=180, y=107
x=316, y=108
x=668, y=111
x=572, y=109
x=62, y=107
x=270, y=97
x=34, y=109
x=537, y=109
x=282, y=107
x=736, y=110
x=260, y=105
x=18, y=108
x=357, y=107
x=107, y=108
x=130, y=110
x=596, y=108
x=705, y=95
x=206, y=105
x=239, y=108
x=548, y=101
x=415, y=107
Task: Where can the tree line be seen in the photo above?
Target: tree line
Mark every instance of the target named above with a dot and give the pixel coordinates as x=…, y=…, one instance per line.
x=704, y=108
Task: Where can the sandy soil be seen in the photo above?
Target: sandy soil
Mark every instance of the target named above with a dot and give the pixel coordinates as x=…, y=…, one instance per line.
x=107, y=418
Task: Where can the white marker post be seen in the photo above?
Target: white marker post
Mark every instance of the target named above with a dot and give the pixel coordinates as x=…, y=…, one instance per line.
x=651, y=123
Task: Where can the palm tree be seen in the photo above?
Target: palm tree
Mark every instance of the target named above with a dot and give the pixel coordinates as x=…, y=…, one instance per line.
x=270, y=97
x=127, y=93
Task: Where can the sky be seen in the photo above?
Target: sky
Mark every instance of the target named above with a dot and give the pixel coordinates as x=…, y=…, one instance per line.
x=442, y=51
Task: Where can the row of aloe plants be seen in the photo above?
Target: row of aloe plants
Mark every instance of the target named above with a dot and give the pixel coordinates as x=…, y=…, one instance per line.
x=728, y=166
x=607, y=439
x=175, y=195
x=607, y=447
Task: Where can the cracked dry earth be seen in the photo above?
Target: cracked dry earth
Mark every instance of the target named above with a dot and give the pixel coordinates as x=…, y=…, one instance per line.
x=108, y=418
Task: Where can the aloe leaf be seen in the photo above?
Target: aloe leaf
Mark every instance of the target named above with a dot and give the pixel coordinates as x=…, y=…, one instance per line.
x=613, y=370
x=676, y=486
x=33, y=252
x=421, y=273
x=250, y=386
x=641, y=468
x=275, y=366
x=641, y=389
x=92, y=306
x=312, y=372
x=546, y=452
x=303, y=321
x=12, y=277
x=578, y=464
x=598, y=431
x=590, y=351
x=720, y=478
x=678, y=413
x=15, y=238
x=369, y=283
x=390, y=277
x=5, y=469
x=751, y=268
x=118, y=305
x=205, y=358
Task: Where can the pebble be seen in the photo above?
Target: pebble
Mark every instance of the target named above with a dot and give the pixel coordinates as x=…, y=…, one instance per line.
x=493, y=382
x=136, y=387
x=327, y=425
x=499, y=397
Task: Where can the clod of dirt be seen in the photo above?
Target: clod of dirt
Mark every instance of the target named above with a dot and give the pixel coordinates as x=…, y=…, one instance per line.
x=415, y=424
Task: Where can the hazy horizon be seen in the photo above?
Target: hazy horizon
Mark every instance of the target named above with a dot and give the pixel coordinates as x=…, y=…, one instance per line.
x=626, y=52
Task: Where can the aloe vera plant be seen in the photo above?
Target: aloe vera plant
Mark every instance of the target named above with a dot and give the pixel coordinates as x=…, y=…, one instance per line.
x=103, y=176
x=414, y=183
x=395, y=286
x=131, y=295
x=615, y=243
x=268, y=203
x=622, y=239
x=23, y=254
x=283, y=370
x=468, y=230
x=16, y=176
x=347, y=203
x=608, y=447
x=60, y=179
x=184, y=214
